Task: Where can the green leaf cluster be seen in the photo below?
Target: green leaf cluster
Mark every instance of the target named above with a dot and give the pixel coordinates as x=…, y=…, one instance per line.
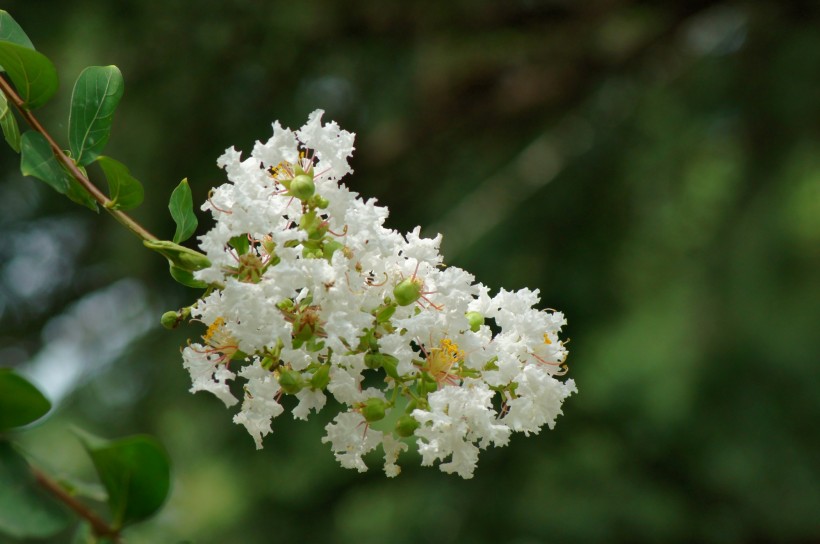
x=96, y=95
x=135, y=472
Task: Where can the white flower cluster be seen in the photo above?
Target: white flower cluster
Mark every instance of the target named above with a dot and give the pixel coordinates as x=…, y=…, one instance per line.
x=312, y=296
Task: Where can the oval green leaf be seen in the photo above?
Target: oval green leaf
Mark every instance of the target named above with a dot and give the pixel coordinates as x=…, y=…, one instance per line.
x=125, y=191
x=11, y=132
x=136, y=473
x=20, y=402
x=32, y=73
x=25, y=510
x=181, y=206
x=38, y=160
x=95, y=97
x=10, y=31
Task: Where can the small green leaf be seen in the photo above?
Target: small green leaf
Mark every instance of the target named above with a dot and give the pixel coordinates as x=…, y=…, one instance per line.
x=20, y=402
x=124, y=190
x=25, y=509
x=136, y=473
x=11, y=132
x=95, y=97
x=10, y=31
x=38, y=160
x=240, y=243
x=32, y=73
x=181, y=206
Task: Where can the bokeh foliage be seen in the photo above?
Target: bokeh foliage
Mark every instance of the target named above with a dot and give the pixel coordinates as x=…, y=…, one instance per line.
x=653, y=169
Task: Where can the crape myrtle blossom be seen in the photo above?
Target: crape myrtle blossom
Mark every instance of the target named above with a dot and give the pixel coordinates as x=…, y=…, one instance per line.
x=311, y=296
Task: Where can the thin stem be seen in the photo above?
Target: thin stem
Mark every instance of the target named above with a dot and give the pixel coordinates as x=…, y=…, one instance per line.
x=103, y=200
x=98, y=525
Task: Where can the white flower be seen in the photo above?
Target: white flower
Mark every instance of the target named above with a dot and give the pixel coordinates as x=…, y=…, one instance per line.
x=350, y=438
x=538, y=400
x=459, y=417
x=206, y=374
x=260, y=405
x=310, y=294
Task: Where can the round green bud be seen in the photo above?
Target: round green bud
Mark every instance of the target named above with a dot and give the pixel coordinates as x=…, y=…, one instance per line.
x=285, y=304
x=406, y=426
x=320, y=202
x=302, y=187
x=290, y=381
x=373, y=409
x=170, y=319
x=475, y=319
x=407, y=291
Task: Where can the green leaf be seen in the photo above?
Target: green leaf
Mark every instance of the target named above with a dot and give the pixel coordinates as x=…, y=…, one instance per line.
x=96, y=95
x=32, y=73
x=9, y=124
x=136, y=473
x=26, y=511
x=10, y=31
x=124, y=190
x=182, y=210
x=38, y=161
x=179, y=256
x=185, y=277
x=240, y=243
x=20, y=402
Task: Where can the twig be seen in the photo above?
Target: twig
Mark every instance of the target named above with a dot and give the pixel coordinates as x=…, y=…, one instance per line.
x=103, y=200
x=98, y=525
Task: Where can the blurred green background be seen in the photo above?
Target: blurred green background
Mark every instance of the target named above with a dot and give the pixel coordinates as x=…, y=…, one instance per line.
x=653, y=168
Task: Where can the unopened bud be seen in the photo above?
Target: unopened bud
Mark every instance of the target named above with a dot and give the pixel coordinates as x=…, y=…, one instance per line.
x=373, y=409
x=290, y=381
x=170, y=319
x=302, y=187
x=475, y=319
x=407, y=291
x=406, y=426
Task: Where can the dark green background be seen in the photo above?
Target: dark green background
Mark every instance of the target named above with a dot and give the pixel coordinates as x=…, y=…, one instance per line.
x=653, y=168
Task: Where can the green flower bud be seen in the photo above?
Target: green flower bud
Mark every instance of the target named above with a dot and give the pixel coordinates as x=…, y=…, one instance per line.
x=170, y=319
x=290, y=381
x=373, y=409
x=320, y=202
x=285, y=304
x=373, y=360
x=407, y=292
x=321, y=377
x=406, y=426
x=312, y=253
x=302, y=187
x=475, y=319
